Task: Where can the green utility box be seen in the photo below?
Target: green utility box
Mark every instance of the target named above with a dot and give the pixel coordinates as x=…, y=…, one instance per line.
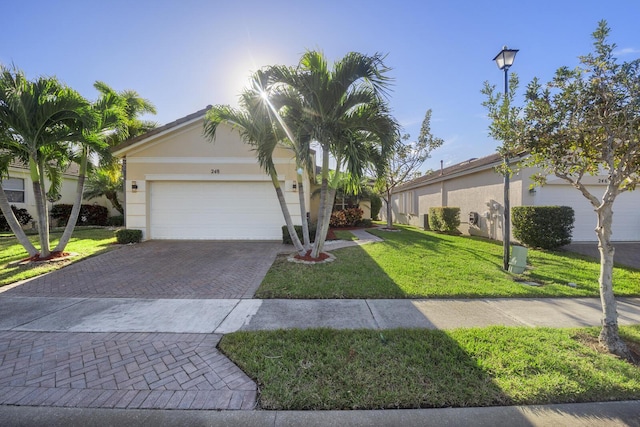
x=518, y=260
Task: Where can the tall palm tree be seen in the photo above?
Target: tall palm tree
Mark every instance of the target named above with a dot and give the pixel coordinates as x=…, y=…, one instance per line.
x=254, y=123
x=344, y=110
x=40, y=119
x=109, y=116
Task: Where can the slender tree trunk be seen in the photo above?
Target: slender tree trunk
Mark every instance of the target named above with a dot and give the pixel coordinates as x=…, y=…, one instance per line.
x=324, y=189
x=389, y=211
x=287, y=216
x=113, y=198
x=609, y=336
x=77, y=204
x=41, y=207
x=303, y=215
x=15, y=226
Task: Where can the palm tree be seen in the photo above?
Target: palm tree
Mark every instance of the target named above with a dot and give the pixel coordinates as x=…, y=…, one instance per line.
x=254, y=123
x=105, y=181
x=344, y=110
x=40, y=119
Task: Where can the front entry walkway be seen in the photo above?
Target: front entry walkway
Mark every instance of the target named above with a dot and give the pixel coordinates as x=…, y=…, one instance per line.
x=162, y=269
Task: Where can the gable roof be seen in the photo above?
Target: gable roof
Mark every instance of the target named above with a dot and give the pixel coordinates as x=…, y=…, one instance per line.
x=462, y=168
x=137, y=140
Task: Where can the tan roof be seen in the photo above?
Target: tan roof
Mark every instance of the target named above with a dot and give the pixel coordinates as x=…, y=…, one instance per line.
x=132, y=141
x=466, y=166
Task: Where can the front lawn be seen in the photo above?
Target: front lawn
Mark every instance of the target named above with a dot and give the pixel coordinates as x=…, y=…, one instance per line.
x=418, y=368
x=417, y=264
x=86, y=241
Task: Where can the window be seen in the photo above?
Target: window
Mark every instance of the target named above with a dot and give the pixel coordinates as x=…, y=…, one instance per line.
x=14, y=189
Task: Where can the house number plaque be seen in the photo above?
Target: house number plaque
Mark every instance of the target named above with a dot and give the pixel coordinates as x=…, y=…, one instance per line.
x=215, y=171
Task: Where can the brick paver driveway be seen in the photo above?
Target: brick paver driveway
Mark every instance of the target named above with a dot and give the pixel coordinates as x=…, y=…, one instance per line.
x=135, y=370
x=162, y=269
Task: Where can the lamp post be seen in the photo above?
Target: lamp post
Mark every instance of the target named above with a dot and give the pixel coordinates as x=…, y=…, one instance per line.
x=504, y=60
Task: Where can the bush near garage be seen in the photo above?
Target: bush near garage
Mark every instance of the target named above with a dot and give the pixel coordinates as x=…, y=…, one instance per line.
x=125, y=236
x=89, y=214
x=545, y=227
x=444, y=219
x=22, y=215
x=286, y=238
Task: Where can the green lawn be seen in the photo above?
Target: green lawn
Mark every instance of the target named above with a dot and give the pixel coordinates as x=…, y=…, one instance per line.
x=419, y=264
x=411, y=368
x=85, y=242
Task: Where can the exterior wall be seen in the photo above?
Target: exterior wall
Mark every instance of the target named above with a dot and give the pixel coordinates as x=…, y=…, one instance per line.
x=480, y=192
x=184, y=154
x=67, y=193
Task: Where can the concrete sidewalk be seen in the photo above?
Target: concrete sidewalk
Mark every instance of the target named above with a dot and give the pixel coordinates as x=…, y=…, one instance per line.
x=199, y=316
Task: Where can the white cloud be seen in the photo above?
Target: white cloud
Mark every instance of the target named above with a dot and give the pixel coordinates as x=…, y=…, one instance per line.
x=626, y=51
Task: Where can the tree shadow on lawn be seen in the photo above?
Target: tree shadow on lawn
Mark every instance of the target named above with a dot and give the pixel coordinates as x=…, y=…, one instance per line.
x=325, y=369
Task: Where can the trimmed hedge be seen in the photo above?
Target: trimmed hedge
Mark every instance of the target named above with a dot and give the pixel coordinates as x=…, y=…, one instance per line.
x=546, y=227
x=286, y=238
x=444, y=219
x=89, y=214
x=125, y=236
x=22, y=215
x=376, y=205
x=115, y=221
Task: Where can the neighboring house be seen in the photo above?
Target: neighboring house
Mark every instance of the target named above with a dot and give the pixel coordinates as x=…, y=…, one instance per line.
x=178, y=185
x=19, y=189
x=477, y=189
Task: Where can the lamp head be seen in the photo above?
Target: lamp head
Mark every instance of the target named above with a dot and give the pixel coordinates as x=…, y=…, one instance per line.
x=505, y=58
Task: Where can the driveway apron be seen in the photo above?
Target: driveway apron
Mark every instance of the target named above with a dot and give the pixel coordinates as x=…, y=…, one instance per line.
x=134, y=369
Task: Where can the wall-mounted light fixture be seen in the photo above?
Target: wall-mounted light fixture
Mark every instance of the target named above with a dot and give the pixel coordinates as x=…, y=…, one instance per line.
x=295, y=186
x=134, y=186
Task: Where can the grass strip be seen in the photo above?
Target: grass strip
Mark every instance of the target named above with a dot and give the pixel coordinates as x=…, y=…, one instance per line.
x=322, y=369
x=418, y=264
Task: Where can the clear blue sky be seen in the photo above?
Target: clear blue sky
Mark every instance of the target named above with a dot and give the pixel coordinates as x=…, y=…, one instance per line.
x=183, y=55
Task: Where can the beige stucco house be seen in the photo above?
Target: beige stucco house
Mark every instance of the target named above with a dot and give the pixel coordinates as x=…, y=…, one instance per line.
x=178, y=185
x=477, y=189
x=19, y=189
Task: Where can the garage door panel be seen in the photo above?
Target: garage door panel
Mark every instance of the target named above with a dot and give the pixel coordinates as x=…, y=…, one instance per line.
x=215, y=211
x=626, y=217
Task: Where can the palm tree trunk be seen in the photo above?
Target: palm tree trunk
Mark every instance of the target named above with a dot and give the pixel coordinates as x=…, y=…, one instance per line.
x=77, y=204
x=287, y=216
x=41, y=207
x=324, y=189
x=113, y=198
x=303, y=215
x=609, y=336
x=17, y=230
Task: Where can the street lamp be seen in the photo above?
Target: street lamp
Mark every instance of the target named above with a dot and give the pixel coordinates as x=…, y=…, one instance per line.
x=504, y=60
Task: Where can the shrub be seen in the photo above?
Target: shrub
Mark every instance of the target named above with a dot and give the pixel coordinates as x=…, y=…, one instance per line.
x=364, y=223
x=346, y=217
x=22, y=215
x=286, y=238
x=115, y=221
x=125, y=236
x=444, y=219
x=376, y=205
x=89, y=214
x=546, y=227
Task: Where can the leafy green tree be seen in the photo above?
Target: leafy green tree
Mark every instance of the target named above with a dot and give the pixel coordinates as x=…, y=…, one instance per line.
x=404, y=162
x=342, y=108
x=586, y=121
x=40, y=119
x=254, y=123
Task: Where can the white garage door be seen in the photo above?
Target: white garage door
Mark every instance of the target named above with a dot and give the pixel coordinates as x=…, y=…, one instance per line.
x=626, y=211
x=214, y=211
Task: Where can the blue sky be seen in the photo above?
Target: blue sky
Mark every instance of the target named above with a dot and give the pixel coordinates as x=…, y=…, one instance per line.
x=184, y=55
